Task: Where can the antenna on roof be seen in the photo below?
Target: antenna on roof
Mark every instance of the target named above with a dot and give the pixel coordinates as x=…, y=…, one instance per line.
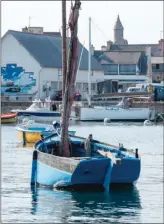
x=29, y=20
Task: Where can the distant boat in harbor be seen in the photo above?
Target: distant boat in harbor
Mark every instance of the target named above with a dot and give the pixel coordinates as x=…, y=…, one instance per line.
x=41, y=110
x=30, y=132
x=8, y=118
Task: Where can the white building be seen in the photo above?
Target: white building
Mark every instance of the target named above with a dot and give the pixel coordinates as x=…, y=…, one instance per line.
x=32, y=61
x=130, y=64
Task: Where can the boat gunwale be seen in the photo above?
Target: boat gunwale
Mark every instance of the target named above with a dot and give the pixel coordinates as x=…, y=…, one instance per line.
x=31, y=131
x=18, y=128
x=130, y=151
x=70, y=163
x=106, y=144
x=8, y=115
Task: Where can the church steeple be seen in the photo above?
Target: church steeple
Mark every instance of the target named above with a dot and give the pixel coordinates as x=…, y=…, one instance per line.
x=119, y=32
x=118, y=25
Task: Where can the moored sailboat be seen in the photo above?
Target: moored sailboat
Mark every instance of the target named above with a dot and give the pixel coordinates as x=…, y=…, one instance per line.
x=63, y=160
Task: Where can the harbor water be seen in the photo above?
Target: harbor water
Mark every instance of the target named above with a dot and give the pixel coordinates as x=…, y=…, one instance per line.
x=142, y=203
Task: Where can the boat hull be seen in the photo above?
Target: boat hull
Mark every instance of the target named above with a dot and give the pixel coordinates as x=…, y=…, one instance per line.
x=56, y=171
x=29, y=137
x=126, y=164
x=121, y=174
x=8, y=118
x=34, y=136
x=38, y=116
x=116, y=114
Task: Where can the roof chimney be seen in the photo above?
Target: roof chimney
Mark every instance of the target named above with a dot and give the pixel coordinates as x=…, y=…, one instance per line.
x=109, y=44
x=92, y=50
x=161, y=46
x=25, y=29
x=37, y=30
x=103, y=48
x=56, y=34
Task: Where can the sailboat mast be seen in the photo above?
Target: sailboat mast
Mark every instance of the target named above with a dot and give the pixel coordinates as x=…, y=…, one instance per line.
x=64, y=47
x=89, y=63
x=70, y=78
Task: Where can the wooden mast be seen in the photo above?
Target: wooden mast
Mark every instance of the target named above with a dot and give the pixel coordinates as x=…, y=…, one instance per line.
x=64, y=48
x=70, y=77
x=64, y=61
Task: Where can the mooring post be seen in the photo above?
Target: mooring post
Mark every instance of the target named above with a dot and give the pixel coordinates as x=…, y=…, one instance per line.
x=34, y=168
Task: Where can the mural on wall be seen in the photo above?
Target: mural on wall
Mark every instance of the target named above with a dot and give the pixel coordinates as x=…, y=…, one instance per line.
x=15, y=80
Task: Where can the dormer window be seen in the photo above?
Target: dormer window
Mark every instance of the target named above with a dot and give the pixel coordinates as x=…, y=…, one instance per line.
x=157, y=66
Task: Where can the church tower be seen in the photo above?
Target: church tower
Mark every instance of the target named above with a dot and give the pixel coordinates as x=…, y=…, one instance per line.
x=119, y=33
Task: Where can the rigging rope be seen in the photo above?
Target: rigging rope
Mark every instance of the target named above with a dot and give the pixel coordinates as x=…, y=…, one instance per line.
x=98, y=28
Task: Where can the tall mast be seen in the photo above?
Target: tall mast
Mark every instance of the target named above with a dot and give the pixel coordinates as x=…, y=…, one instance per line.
x=64, y=48
x=89, y=63
x=70, y=79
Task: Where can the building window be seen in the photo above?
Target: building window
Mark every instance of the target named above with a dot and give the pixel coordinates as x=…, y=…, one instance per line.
x=78, y=86
x=127, y=69
x=110, y=69
x=93, y=86
x=54, y=85
x=60, y=85
x=85, y=86
x=157, y=66
x=59, y=72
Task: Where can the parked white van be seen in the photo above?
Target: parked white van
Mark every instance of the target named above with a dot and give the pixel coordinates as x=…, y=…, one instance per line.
x=133, y=89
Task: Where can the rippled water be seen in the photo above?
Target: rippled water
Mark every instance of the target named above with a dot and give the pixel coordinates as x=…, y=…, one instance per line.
x=140, y=204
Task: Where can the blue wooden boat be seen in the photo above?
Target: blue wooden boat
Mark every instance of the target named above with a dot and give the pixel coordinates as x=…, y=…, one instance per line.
x=107, y=165
x=63, y=160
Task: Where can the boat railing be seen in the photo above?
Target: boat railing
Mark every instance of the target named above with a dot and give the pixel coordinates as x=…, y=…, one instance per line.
x=109, y=146
x=66, y=160
x=31, y=118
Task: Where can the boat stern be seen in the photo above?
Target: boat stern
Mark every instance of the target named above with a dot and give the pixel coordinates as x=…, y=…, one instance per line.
x=93, y=171
x=127, y=172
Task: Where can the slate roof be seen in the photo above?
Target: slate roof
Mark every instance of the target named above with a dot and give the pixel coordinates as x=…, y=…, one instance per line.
x=118, y=57
x=123, y=57
x=155, y=51
x=47, y=50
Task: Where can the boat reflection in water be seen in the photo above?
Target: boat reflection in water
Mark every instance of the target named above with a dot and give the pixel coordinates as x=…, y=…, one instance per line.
x=27, y=146
x=65, y=206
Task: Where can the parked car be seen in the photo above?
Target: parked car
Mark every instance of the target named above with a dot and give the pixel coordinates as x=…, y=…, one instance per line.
x=158, y=86
x=133, y=89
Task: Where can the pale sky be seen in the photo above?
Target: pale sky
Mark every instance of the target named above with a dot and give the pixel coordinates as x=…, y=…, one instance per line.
x=142, y=20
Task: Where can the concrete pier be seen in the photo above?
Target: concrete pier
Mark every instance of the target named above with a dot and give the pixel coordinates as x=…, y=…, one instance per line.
x=7, y=106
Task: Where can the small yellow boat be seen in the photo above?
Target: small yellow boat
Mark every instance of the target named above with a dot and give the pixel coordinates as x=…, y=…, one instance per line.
x=30, y=132
x=28, y=136
x=9, y=118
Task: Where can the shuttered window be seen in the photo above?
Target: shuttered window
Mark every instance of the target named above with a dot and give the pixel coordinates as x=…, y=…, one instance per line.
x=54, y=85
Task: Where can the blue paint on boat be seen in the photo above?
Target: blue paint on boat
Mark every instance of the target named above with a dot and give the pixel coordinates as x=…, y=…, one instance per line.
x=108, y=176
x=127, y=172
x=50, y=176
x=34, y=168
x=38, y=114
x=88, y=171
x=91, y=171
x=39, y=129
